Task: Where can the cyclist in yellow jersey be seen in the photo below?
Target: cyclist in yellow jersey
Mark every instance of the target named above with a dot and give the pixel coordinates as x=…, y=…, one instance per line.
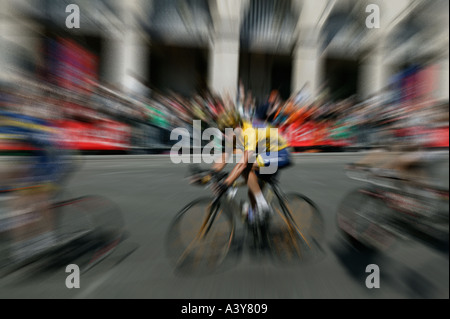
x=260, y=147
x=266, y=143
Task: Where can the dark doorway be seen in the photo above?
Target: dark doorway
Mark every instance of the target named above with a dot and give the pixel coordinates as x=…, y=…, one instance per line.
x=178, y=69
x=261, y=73
x=342, y=78
x=281, y=75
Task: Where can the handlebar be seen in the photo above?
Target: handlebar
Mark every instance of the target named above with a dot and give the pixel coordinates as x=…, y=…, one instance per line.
x=211, y=179
x=202, y=177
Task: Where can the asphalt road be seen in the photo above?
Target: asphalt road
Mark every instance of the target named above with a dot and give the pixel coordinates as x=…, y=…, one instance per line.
x=151, y=189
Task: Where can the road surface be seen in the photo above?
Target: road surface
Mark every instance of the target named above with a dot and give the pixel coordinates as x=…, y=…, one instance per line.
x=151, y=189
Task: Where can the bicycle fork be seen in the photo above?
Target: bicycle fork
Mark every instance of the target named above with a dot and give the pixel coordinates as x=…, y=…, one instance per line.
x=204, y=229
x=289, y=220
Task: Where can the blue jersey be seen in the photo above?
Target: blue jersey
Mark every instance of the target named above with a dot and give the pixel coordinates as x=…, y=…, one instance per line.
x=47, y=164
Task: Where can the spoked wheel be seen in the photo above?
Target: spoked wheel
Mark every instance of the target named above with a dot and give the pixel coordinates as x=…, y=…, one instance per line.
x=296, y=231
x=85, y=229
x=361, y=219
x=200, y=238
x=89, y=228
x=259, y=236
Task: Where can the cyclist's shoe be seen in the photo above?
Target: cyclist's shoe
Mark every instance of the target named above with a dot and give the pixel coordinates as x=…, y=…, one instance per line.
x=251, y=216
x=264, y=214
x=244, y=211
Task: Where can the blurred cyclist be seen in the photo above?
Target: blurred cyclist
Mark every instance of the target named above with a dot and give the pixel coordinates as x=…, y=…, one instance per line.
x=405, y=158
x=259, y=146
x=34, y=183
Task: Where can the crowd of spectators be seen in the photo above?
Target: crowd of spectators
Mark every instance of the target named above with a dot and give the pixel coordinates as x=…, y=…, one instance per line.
x=367, y=123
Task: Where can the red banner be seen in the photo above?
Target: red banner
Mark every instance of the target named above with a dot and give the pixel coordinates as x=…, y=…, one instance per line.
x=308, y=134
x=300, y=135
x=428, y=137
x=102, y=135
x=438, y=137
x=72, y=66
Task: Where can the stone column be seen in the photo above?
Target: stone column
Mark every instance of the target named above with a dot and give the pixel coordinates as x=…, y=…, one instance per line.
x=442, y=90
x=306, y=70
x=374, y=72
x=224, y=67
x=377, y=66
x=223, y=70
x=126, y=51
x=20, y=40
x=307, y=60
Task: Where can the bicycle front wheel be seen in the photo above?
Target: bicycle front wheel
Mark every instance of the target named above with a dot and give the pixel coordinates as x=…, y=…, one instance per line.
x=200, y=237
x=88, y=228
x=85, y=230
x=297, y=229
x=361, y=218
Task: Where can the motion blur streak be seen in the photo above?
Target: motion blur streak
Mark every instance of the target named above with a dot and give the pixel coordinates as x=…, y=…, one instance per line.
x=372, y=98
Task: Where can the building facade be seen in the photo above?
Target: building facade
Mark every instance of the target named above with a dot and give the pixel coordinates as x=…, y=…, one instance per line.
x=194, y=45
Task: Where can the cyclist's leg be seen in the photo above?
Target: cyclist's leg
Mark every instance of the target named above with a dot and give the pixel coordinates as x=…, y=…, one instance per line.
x=255, y=192
x=34, y=230
x=26, y=224
x=280, y=160
x=252, y=183
x=49, y=173
x=20, y=206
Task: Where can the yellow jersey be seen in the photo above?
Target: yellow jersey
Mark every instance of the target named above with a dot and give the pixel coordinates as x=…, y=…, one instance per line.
x=259, y=140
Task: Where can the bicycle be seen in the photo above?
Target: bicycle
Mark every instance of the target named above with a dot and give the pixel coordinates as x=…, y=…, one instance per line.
x=389, y=209
x=87, y=229
x=293, y=234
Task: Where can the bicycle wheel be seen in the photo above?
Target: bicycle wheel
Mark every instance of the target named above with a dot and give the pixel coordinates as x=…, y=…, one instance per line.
x=88, y=229
x=200, y=237
x=361, y=218
x=6, y=224
x=85, y=229
x=297, y=230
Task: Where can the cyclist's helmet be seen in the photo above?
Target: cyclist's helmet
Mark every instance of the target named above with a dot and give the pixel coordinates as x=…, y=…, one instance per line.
x=229, y=118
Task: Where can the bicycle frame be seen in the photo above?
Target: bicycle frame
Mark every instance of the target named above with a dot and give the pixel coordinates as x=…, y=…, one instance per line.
x=284, y=238
x=281, y=197
x=209, y=220
x=205, y=227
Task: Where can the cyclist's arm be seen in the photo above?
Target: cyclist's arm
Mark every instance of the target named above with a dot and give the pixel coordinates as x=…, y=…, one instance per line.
x=239, y=168
x=218, y=166
x=229, y=145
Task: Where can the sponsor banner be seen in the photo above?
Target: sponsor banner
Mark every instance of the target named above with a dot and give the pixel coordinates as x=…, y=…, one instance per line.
x=308, y=134
x=71, y=66
x=438, y=137
x=101, y=135
x=299, y=135
x=428, y=137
